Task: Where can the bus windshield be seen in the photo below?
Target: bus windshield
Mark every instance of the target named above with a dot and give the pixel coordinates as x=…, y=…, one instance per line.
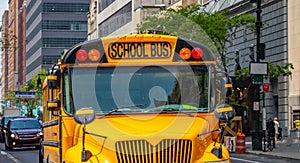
x=148, y=87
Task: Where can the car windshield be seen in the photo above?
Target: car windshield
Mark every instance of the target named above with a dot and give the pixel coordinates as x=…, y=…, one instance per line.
x=148, y=87
x=24, y=124
x=6, y=119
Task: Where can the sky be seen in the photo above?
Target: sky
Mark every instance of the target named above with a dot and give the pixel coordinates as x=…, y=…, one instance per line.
x=3, y=7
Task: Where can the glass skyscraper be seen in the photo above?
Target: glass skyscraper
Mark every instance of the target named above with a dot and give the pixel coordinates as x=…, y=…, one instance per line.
x=51, y=27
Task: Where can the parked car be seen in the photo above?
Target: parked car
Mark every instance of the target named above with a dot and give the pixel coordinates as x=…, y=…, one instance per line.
x=22, y=132
x=3, y=124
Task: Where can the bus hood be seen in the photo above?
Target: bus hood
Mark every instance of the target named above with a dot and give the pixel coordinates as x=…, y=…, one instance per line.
x=116, y=137
x=153, y=129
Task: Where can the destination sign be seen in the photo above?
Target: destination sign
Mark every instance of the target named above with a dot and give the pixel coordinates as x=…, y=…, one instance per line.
x=139, y=50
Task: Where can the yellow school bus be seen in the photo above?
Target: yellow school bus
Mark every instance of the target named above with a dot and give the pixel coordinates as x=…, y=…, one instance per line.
x=138, y=98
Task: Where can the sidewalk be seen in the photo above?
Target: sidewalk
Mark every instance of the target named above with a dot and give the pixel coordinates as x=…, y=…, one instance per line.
x=286, y=148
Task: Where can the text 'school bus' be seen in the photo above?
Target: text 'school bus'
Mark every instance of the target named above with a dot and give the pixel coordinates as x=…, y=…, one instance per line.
x=140, y=98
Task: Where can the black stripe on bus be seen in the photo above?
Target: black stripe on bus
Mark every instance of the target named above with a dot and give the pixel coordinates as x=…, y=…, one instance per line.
x=52, y=143
x=51, y=123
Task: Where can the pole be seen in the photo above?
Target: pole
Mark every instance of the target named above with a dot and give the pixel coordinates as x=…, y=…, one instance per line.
x=257, y=142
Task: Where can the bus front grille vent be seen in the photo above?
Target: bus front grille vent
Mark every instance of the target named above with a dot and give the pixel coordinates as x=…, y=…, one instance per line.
x=166, y=151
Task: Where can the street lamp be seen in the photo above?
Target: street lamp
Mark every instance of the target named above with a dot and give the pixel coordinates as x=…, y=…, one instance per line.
x=256, y=140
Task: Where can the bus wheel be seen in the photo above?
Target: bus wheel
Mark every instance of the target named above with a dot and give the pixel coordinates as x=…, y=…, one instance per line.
x=41, y=153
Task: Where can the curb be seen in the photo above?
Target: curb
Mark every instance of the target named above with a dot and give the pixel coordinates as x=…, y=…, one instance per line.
x=270, y=154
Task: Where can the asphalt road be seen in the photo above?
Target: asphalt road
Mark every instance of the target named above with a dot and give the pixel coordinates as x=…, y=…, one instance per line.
x=30, y=155
x=19, y=155
x=251, y=158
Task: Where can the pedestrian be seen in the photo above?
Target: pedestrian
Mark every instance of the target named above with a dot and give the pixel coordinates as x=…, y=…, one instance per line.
x=271, y=130
x=297, y=123
x=276, y=128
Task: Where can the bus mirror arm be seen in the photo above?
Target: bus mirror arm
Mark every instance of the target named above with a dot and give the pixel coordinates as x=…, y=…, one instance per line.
x=217, y=151
x=209, y=132
x=85, y=154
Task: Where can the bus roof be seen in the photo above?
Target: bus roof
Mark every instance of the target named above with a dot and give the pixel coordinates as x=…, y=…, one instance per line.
x=138, y=48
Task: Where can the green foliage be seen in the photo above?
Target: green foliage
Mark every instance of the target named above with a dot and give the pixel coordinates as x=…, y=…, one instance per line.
x=237, y=99
x=31, y=103
x=274, y=71
x=214, y=30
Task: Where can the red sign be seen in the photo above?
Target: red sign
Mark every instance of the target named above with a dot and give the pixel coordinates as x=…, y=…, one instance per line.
x=266, y=87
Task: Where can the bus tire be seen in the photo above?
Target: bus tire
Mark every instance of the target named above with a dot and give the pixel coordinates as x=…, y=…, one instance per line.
x=41, y=153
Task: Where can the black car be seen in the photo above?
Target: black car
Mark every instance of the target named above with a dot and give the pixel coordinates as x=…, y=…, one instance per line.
x=3, y=124
x=22, y=132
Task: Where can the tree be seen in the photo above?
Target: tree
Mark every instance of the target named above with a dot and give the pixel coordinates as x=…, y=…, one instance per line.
x=30, y=103
x=274, y=71
x=215, y=30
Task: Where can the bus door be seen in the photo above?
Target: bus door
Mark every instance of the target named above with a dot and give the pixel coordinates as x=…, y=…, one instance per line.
x=51, y=124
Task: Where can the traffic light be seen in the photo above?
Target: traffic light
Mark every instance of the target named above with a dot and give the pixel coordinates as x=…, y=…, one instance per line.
x=262, y=51
x=39, y=82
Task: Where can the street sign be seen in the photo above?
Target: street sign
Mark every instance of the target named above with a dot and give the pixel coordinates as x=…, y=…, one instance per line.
x=257, y=79
x=258, y=68
x=266, y=87
x=19, y=94
x=255, y=106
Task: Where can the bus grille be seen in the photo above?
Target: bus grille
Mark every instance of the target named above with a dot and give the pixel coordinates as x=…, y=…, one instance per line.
x=166, y=151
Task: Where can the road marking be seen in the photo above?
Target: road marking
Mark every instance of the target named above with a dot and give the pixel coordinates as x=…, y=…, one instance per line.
x=10, y=157
x=239, y=159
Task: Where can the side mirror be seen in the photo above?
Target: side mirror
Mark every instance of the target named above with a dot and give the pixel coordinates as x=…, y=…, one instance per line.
x=85, y=116
x=54, y=78
x=224, y=112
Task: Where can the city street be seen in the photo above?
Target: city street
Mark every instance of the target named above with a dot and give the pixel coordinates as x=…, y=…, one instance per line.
x=30, y=155
x=251, y=158
x=18, y=155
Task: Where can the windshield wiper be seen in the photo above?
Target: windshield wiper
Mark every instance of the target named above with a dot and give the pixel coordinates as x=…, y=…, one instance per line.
x=122, y=107
x=174, y=108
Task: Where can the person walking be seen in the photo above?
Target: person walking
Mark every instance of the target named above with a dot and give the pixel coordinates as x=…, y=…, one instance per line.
x=276, y=128
x=271, y=130
x=297, y=123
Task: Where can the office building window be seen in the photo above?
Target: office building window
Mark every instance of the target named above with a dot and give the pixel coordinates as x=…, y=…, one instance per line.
x=64, y=25
x=61, y=42
x=50, y=59
x=115, y=21
x=104, y=4
x=65, y=7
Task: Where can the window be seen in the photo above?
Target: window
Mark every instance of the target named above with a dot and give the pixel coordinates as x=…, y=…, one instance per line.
x=65, y=7
x=61, y=42
x=116, y=21
x=104, y=4
x=64, y=25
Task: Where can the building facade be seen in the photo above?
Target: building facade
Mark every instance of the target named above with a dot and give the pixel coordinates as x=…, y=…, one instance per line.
x=294, y=58
x=274, y=34
x=4, y=49
x=13, y=58
x=121, y=17
x=21, y=50
x=117, y=17
x=51, y=27
x=12, y=36
x=92, y=20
